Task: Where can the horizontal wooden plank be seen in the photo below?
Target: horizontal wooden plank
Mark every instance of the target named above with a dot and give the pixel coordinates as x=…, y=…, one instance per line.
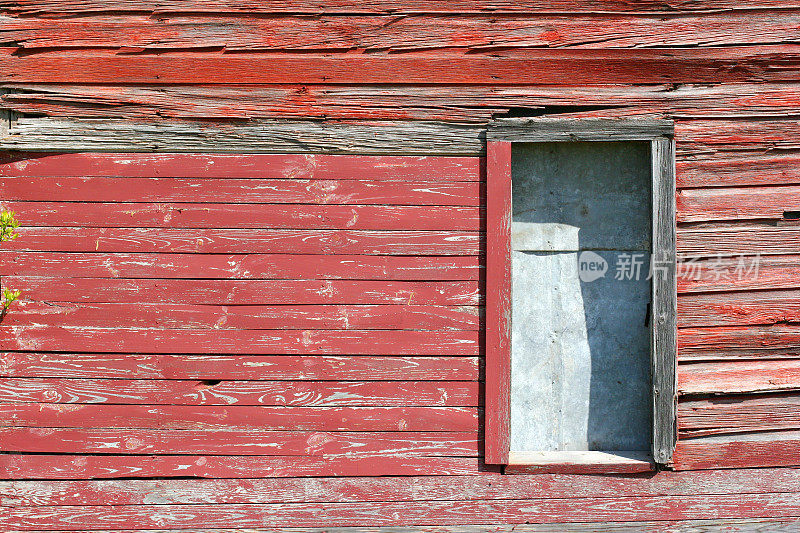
x=347, y=7
x=254, y=166
x=739, y=414
x=774, y=449
x=256, y=136
x=780, y=340
x=169, y=316
x=239, y=191
x=236, y=367
x=39, y=466
x=240, y=392
x=739, y=273
x=775, y=134
x=737, y=169
x=488, y=486
x=344, y=137
x=238, y=442
x=738, y=308
x=523, y=66
x=392, y=102
x=183, y=417
x=775, y=525
x=240, y=266
x=736, y=203
x=732, y=377
x=393, y=513
x=246, y=292
x=256, y=216
x=735, y=240
x=273, y=241
x=214, y=340
x=409, y=33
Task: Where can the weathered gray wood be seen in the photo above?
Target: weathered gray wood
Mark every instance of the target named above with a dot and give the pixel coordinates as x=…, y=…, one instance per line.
x=554, y=129
x=272, y=136
x=664, y=304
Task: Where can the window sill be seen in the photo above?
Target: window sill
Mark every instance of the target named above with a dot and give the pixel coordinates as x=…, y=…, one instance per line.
x=580, y=462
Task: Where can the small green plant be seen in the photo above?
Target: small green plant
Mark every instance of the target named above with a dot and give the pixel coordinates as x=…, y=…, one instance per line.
x=9, y=297
x=8, y=232
x=8, y=226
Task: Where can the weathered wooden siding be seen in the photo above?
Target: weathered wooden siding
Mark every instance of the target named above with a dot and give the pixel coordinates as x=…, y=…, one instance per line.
x=177, y=326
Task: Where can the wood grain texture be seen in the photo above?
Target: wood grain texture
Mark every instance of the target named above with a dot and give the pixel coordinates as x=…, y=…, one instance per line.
x=739, y=308
x=231, y=441
x=773, y=525
x=241, y=392
x=247, y=292
x=238, y=166
x=739, y=414
x=663, y=329
x=242, y=266
x=241, y=216
x=498, y=303
x=225, y=341
x=313, y=7
x=404, y=34
x=245, y=191
x=473, y=103
x=424, y=513
x=732, y=377
x=713, y=452
x=150, y=316
x=754, y=342
x=772, y=63
x=53, y=467
x=236, y=367
x=490, y=486
x=249, y=418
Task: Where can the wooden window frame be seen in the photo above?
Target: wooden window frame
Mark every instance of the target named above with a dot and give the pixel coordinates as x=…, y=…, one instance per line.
x=663, y=339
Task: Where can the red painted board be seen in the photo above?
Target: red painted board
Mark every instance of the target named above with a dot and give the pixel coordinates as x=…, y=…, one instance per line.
x=498, y=302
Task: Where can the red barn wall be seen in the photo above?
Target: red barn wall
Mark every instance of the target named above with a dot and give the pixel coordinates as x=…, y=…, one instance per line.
x=302, y=326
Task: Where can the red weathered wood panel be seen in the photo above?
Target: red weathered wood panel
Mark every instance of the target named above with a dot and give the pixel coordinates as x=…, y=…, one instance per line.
x=521, y=66
x=742, y=273
x=711, y=453
x=738, y=308
x=239, y=191
x=490, y=486
x=214, y=215
x=347, y=7
x=431, y=103
x=404, y=34
x=760, y=342
x=241, y=266
x=246, y=292
x=738, y=168
x=204, y=317
x=737, y=240
x=237, y=367
x=241, y=392
x=498, y=303
x=181, y=417
x=732, y=377
x=40, y=466
x=231, y=441
x=227, y=241
x=254, y=166
x=388, y=513
x=739, y=414
x=735, y=203
x=222, y=341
